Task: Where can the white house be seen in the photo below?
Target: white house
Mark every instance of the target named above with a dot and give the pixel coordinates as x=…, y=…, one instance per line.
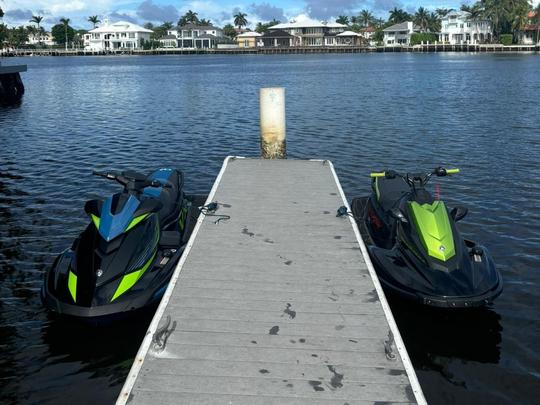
x=118, y=35
x=368, y=33
x=399, y=34
x=310, y=32
x=344, y=38
x=169, y=40
x=43, y=38
x=192, y=36
x=458, y=28
x=530, y=33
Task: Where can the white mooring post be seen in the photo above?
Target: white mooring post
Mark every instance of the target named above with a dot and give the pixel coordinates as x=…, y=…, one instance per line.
x=272, y=106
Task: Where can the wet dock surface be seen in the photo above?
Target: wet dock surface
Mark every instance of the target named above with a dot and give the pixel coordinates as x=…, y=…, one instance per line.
x=277, y=304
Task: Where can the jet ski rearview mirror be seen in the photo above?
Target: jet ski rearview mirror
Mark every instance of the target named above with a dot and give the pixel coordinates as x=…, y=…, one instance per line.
x=458, y=213
x=396, y=213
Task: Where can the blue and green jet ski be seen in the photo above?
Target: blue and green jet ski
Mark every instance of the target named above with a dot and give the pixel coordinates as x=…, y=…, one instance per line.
x=124, y=259
x=416, y=247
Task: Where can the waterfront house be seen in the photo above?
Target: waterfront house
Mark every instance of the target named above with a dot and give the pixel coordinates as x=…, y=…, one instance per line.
x=345, y=38
x=42, y=38
x=368, y=33
x=310, y=32
x=118, y=35
x=169, y=40
x=249, y=39
x=399, y=34
x=458, y=28
x=196, y=36
x=277, y=38
x=529, y=34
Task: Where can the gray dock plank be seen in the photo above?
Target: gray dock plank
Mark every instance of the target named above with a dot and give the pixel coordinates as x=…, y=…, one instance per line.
x=275, y=305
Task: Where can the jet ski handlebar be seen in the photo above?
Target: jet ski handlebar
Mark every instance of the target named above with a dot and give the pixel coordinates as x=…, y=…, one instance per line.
x=438, y=171
x=416, y=178
x=131, y=180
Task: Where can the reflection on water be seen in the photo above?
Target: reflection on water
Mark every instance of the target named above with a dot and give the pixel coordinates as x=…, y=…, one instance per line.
x=433, y=335
x=406, y=112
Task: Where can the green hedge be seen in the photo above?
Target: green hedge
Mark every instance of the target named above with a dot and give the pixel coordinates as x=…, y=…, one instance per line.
x=418, y=38
x=506, y=39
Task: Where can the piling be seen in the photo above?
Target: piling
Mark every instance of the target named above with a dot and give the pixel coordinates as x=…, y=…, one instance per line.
x=273, y=127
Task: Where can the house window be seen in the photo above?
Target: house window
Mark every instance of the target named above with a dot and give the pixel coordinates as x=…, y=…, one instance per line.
x=132, y=35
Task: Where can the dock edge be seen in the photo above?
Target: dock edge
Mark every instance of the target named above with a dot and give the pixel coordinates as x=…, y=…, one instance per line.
x=413, y=379
x=123, y=397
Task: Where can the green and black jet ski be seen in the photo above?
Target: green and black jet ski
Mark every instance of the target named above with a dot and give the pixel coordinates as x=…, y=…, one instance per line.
x=125, y=257
x=415, y=245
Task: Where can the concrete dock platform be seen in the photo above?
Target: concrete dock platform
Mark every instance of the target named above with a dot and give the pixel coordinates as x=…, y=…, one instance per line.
x=277, y=305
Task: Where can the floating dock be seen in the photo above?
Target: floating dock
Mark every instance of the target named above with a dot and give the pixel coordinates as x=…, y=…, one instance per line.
x=11, y=85
x=277, y=305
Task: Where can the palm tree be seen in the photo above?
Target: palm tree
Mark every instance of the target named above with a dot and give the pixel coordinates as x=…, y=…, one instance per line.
x=167, y=25
x=32, y=31
x=229, y=31
x=190, y=17
x=240, y=20
x=204, y=21
x=65, y=22
x=521, y=19
x=366, y=18
x=37, y=20
x=94, y=20
x=495, y=11
x=342, y=19
x=441, y=12
x=475, y=11
x=434, y=22
x=397, y=15
x=421, y=18
x=1, y=13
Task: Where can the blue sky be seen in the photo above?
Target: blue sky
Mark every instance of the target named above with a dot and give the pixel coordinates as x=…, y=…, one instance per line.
x=220, y=12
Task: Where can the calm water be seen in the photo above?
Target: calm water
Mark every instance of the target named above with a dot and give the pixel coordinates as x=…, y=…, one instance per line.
x=365, y=112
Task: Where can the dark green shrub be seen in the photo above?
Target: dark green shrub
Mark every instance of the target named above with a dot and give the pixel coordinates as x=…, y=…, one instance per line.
x=425, y=37
x=506, y=39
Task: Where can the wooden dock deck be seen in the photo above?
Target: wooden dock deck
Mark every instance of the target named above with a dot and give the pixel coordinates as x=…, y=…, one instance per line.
x=277, y=305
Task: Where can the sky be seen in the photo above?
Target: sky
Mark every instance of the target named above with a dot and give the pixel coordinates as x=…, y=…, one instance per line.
x=219, y=12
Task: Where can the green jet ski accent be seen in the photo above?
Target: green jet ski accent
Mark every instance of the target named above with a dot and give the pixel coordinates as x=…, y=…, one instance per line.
x=434, y=229
x=136, y=220
x=72, y=285
x=130, y=279
x=96, y=220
